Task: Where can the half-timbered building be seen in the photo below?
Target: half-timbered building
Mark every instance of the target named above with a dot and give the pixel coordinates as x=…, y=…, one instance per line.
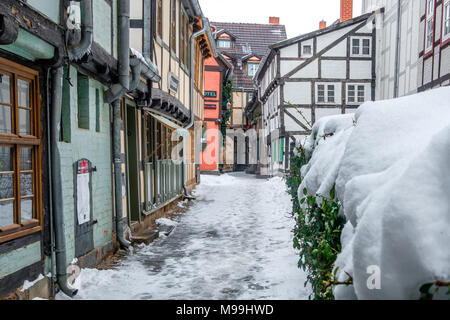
x=413, y=50
x=326, y=72
x=243, y=45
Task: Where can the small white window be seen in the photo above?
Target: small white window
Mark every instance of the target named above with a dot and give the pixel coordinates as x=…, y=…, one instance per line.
x=361, y=46
x=361, y=94
x=326, y=93
x=224, y=44
x=351, y=95
x=446, y=21
x=429, y=26
x=307, y=50
x=331, y=93
x=356, y=93
x=252, y=68
x=321, y=93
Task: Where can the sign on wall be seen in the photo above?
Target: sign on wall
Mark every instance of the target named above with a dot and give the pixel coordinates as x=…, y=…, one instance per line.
x=210, y=94
x=83, y=192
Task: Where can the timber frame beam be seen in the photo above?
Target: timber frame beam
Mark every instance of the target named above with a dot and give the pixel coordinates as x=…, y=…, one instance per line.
x=34, y=22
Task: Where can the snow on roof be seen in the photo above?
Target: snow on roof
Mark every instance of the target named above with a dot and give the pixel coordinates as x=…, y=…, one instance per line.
x=392, y=175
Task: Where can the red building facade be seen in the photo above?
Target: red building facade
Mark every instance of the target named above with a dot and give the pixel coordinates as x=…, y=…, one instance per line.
x=216, y=69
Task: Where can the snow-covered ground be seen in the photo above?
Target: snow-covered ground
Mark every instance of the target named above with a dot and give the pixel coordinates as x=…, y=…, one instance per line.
x=234, y=242
x=391, y=168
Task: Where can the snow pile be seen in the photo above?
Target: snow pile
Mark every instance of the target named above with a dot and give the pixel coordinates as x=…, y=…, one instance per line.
x=392, y=175
x=29, y=284
x=165, y=222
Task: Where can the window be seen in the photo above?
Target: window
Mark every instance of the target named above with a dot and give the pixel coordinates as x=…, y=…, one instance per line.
x=182, y=35
x=351, y=98
x=159, y=23
x=446, y=21
x=361, y=46
x=173, y=21
x=321, y=93
x=224, y=44
x=356, y=93
x=249, y=96
x=326, y=93
x=429, y=26
x=184, y=39
x=252, y=68
x=20, y=201
x=361, y=94
x=331, y=93
x=307, y=50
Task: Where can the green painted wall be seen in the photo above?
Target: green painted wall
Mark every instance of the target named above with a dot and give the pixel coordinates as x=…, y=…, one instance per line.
x=18, y=259
x=95, y=146
x=30, y=47
x=102, y=24
x=50, y=8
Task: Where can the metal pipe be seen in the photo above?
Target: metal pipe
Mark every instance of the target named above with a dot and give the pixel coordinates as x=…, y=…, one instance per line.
x=50, y=188
x=397, y=49
x=57, y=201
x=124, y=43
x=191, y=101
x=87, y=31
x=118, y=174
x=113, y=96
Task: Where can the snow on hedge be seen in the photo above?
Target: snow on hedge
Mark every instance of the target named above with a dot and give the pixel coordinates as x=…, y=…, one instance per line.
x=391, y=167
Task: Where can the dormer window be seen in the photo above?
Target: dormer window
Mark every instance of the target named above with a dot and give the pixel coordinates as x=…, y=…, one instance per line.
x=252, y=68
x=224, y=44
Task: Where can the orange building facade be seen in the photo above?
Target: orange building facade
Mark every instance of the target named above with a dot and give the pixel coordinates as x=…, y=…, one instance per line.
x=216, y=69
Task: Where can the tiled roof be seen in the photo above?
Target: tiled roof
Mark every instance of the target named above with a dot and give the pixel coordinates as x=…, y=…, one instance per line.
x=249, y=38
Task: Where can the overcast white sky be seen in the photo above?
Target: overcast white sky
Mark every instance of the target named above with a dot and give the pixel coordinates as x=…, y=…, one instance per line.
x=299, y=16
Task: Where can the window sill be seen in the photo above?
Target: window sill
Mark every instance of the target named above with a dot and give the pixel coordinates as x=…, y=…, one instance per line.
x=16, y=231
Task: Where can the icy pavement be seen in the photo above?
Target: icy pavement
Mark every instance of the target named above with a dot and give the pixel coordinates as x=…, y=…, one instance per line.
x=234, y=242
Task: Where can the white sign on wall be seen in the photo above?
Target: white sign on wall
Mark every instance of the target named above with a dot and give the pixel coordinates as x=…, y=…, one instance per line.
x=83, y=192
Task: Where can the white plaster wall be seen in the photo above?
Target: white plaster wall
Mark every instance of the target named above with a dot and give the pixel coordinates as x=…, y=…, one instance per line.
x=298, y=92
x=334, y=69
x=360, y=69
x=290, y=51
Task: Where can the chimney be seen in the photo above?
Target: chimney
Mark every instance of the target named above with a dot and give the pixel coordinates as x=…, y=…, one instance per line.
x=346, y=10
x=322, y=24
x=274, y=20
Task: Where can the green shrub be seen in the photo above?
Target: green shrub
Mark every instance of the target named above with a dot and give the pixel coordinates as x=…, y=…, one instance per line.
x=317, y=232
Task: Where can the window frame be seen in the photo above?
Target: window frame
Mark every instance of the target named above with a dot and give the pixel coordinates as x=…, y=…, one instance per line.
x=360, y=53
x=445, y=38
x=219, y=41
x=173, y=26
x=357, y=93
x=429, y=17
x=16, y=141
x=159, y=19
x=326, y=93
x=306, y=55
x=248, y=68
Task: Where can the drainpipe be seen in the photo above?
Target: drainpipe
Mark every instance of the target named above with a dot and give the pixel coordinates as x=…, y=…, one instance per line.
x=397, y=49
x=191, y=101
x=57, y=201
x=87, y=26
x=113, y=96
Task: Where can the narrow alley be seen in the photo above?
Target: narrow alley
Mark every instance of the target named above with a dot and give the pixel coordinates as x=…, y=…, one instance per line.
x=234, y=242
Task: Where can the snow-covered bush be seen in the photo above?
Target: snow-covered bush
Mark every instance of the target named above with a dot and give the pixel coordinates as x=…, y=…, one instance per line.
x=390, y=165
